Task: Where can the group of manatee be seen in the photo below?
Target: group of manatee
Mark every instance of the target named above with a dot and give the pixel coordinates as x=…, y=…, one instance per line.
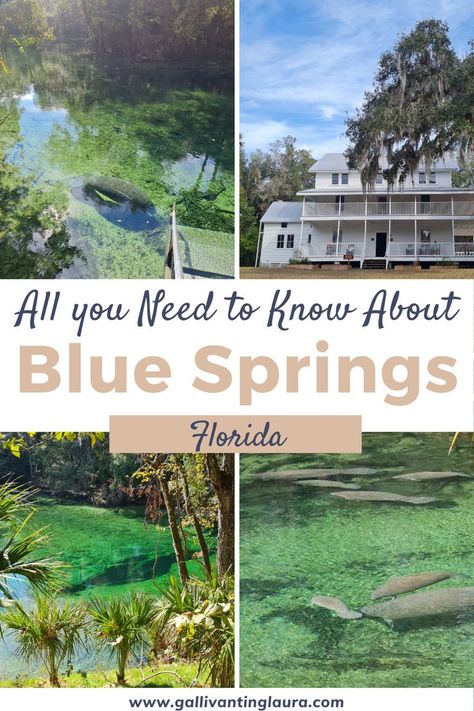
x=328, y=479
x=457, y=603
x=403, y=605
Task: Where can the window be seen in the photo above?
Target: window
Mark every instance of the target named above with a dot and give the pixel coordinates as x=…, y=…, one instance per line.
x=335, y=179
x=284, y=224
x=432, y=178
x=334, y=235
x=309, y=239
x=290, y=241
x=422, y=178
x=379, y=179
x=280, y=241
x=426, y=235
x=345, y=178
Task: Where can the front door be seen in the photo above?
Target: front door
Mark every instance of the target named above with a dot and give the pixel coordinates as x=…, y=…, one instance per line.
x=380, y=244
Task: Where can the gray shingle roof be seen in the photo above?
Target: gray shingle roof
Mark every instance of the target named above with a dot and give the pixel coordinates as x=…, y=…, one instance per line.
x=336, y=162
x=283, y=212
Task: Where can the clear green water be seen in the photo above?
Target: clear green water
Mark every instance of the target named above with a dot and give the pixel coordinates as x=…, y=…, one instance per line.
x=297, y=542
x=108, y=552
x=166, y=129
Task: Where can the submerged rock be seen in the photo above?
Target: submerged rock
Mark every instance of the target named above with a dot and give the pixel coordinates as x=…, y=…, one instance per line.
x=407, y=583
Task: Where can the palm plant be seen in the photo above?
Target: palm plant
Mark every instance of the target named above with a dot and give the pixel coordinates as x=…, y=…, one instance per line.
x=48, y=631
x=201, y=616
x=18, y=545
x=123, y=625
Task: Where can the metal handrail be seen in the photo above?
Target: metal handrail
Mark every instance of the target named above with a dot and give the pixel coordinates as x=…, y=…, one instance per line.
x=174, y=267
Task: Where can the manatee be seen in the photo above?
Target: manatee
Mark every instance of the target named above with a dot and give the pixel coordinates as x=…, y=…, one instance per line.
x=315, y=473
x=297, y=474
x=326, y=484
x=119, y=202
x=336, y=605
x=407, y=583
x=383, y=496
x=424, y=605
x=429, y=476
x=357, y=471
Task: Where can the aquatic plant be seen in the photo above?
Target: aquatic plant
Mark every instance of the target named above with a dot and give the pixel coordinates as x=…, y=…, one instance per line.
x=122, y=625
x=48, y=631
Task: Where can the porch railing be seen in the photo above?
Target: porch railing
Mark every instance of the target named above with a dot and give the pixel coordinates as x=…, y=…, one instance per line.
x=396, y=208
x=341, y=250
x=430, y=249
x=355, y=250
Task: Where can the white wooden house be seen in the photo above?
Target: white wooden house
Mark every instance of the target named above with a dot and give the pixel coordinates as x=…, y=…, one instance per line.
x=427, y=221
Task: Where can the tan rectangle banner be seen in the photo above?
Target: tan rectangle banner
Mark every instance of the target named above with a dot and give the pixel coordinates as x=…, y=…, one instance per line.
x=238, y=434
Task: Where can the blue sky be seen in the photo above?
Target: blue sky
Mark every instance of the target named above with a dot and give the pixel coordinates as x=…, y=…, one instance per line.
x=305, y=64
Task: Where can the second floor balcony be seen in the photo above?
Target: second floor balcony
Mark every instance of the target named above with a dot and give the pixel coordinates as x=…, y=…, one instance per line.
x=391, y=208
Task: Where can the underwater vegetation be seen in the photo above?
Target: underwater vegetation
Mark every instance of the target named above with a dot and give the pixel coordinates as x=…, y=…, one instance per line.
x=399, y=575
x=109, y=149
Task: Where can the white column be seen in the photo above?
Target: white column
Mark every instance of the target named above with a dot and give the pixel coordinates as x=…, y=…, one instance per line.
x=452, y=224
x=260, y=237
x=338, y=235
x=301, y=234
x=416, y=227
x=387, y=253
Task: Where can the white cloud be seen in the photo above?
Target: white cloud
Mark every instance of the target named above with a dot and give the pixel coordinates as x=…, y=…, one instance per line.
x=321, y=73
x=258, y=134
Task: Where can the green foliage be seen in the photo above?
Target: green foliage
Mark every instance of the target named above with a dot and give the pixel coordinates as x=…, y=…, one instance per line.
x=420, y=108
x=464, y=177
x=48, y=631
x=34, y=242
x=122, y=626
x=23, y=23
x=174, y=675
x=76, y=464
x=201, y=617
x=266, y=176
x=198, y=29
x=19, y=544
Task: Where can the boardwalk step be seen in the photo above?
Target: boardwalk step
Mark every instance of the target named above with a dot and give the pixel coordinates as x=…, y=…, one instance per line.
x=374, y=264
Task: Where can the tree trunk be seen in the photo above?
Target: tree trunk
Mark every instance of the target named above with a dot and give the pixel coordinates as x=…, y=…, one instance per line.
x=197, y=524
x=174, y=528
x=222, y=479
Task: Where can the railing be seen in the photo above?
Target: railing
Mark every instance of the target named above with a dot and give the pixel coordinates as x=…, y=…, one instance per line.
x=395, y=208
x=350, y=250
x=464, y=249
x=429, y=249
x=173, y=266
x=341, y=250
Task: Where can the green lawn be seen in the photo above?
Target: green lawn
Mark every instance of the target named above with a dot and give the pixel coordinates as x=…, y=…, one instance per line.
x=135, y=678
x=285, y=273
